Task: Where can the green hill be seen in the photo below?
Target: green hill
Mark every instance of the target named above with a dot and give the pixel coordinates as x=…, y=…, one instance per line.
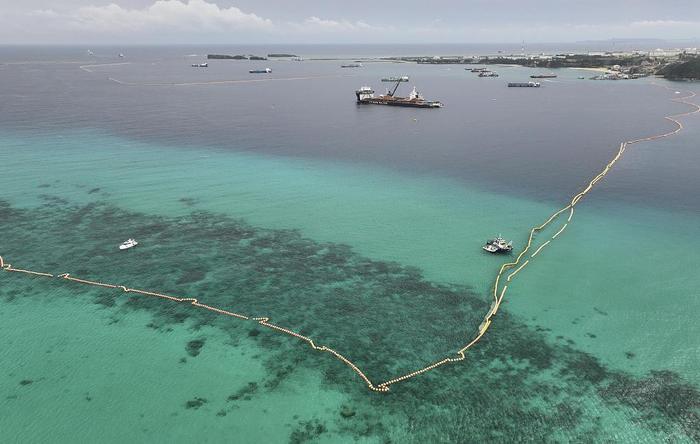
x=688, y=70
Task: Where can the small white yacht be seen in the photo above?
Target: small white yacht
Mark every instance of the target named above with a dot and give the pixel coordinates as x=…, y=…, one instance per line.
x=498, y=245
x=129, y=243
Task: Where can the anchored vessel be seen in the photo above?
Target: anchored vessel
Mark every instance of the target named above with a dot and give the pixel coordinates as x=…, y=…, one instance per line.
x=543, y=76
x=498, y=245
x=524, y=84
x=395, y=79
x=488, y=74
x=365, y=95
x=200, y=65
x=352, y=65
x=476, y=69
x=129, y=243
x=260, y=71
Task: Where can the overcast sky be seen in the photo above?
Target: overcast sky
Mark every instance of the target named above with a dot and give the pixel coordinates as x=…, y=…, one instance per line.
x=343, y=21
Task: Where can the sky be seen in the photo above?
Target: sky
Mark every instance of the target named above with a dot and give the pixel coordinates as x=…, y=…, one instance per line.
x=337, y=21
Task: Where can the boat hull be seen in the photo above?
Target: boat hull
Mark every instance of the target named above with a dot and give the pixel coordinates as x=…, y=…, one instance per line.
x=496, y=250
x=404, y=103
x=523, y=85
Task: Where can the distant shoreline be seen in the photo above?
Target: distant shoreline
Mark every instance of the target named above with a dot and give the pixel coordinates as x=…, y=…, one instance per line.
x=601, y=69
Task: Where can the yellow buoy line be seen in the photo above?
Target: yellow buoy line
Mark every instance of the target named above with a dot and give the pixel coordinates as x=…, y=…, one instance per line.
x=498, y=291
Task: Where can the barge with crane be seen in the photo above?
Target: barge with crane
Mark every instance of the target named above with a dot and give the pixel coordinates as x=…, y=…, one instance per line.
x=365, y=96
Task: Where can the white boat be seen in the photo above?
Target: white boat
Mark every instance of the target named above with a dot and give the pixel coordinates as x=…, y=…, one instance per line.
x=498, y=245
x=129, y=243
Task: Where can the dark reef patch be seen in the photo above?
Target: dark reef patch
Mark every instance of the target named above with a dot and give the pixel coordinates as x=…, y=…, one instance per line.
x=347, y=412
x=194, y=346
x=660, y=394
x=191, y=275
x=25, y=382
x=245, y=393
x=307, y=431
x=387, y=318
x=195, y=403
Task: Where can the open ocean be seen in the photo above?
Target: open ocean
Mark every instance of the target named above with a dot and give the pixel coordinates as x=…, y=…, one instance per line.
x=358, y=226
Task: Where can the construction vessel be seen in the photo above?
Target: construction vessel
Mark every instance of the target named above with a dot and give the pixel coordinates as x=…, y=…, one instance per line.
x=365, y=95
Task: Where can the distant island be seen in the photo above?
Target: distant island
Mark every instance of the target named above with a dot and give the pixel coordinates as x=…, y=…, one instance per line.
x=281, y=55
x=673, y=65
x=235, y=57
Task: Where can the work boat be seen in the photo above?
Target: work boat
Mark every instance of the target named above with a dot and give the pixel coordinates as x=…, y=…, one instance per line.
x=498, y=245
x=129, y=243
x=365, y=95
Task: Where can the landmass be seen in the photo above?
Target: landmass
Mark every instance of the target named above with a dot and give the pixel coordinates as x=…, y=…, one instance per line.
x=671, y=64
x=281, y=55
x=235, y=57
x=682, y=70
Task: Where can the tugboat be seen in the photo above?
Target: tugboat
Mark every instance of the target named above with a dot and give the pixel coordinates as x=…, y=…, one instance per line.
x=365, y=95
x=129, y=243
x=498, y=245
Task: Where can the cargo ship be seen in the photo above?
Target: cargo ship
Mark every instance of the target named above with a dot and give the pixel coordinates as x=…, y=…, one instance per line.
x=365, y=96
x=543, y=76
x=524, y=84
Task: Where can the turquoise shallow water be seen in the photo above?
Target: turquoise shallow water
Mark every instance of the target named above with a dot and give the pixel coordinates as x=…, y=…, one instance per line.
x=596, y=340
x=70, y=217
